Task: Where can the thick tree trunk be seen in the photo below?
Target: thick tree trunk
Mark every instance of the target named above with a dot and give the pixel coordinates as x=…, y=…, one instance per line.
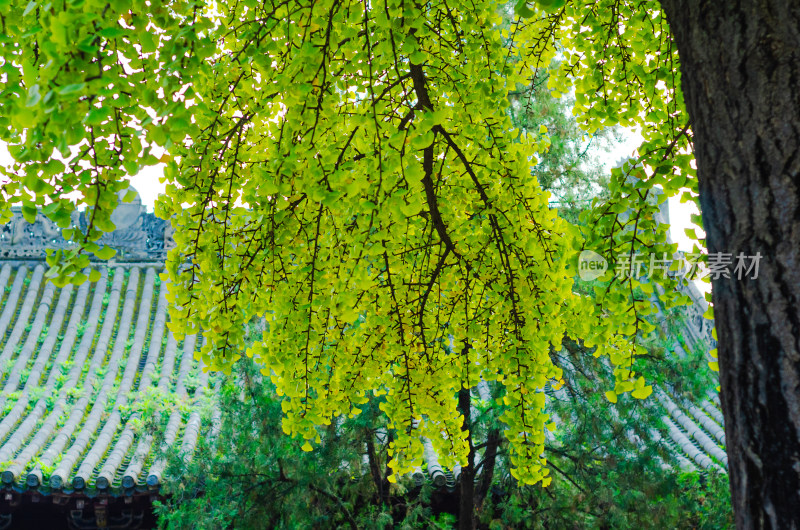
x=466, y=511
x=740, y=69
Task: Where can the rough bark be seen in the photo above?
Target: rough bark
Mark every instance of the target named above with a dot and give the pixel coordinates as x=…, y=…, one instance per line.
x=487, y=467
x=740, y=71
x=466, y=510
x=374, y=468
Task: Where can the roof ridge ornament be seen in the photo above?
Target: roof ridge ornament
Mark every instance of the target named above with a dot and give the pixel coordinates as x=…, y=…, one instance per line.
x=140, y=235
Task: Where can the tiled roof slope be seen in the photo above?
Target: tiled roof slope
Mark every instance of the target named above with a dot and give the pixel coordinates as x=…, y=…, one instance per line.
x=695, y=429
x=75, y=364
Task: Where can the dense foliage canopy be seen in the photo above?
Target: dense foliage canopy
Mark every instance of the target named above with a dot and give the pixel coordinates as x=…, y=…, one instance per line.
x=347, y=171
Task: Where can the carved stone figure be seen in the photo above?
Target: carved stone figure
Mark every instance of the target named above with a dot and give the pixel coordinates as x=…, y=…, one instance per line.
x=128, y=213
x=169, y=242
x=139, y=236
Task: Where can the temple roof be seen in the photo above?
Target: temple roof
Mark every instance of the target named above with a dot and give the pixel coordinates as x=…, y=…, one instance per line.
x=83, y=368
x=78, y=367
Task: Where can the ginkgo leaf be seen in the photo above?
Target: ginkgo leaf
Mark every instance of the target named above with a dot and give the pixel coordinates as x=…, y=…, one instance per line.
x=105, y=253
x=643, y=392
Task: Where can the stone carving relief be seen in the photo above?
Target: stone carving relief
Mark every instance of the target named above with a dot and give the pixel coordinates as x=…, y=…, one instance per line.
x=138, y=236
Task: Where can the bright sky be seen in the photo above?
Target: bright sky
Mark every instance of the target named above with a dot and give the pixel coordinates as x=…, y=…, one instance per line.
x=148, y=185
x=679, y=214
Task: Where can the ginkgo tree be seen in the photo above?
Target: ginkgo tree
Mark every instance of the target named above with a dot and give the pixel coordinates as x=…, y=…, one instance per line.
x=347, y=171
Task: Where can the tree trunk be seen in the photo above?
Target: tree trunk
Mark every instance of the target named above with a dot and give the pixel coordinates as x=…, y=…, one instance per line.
x=487, y=467
x=740, y=69
x=466, y=510
x=374, y=468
